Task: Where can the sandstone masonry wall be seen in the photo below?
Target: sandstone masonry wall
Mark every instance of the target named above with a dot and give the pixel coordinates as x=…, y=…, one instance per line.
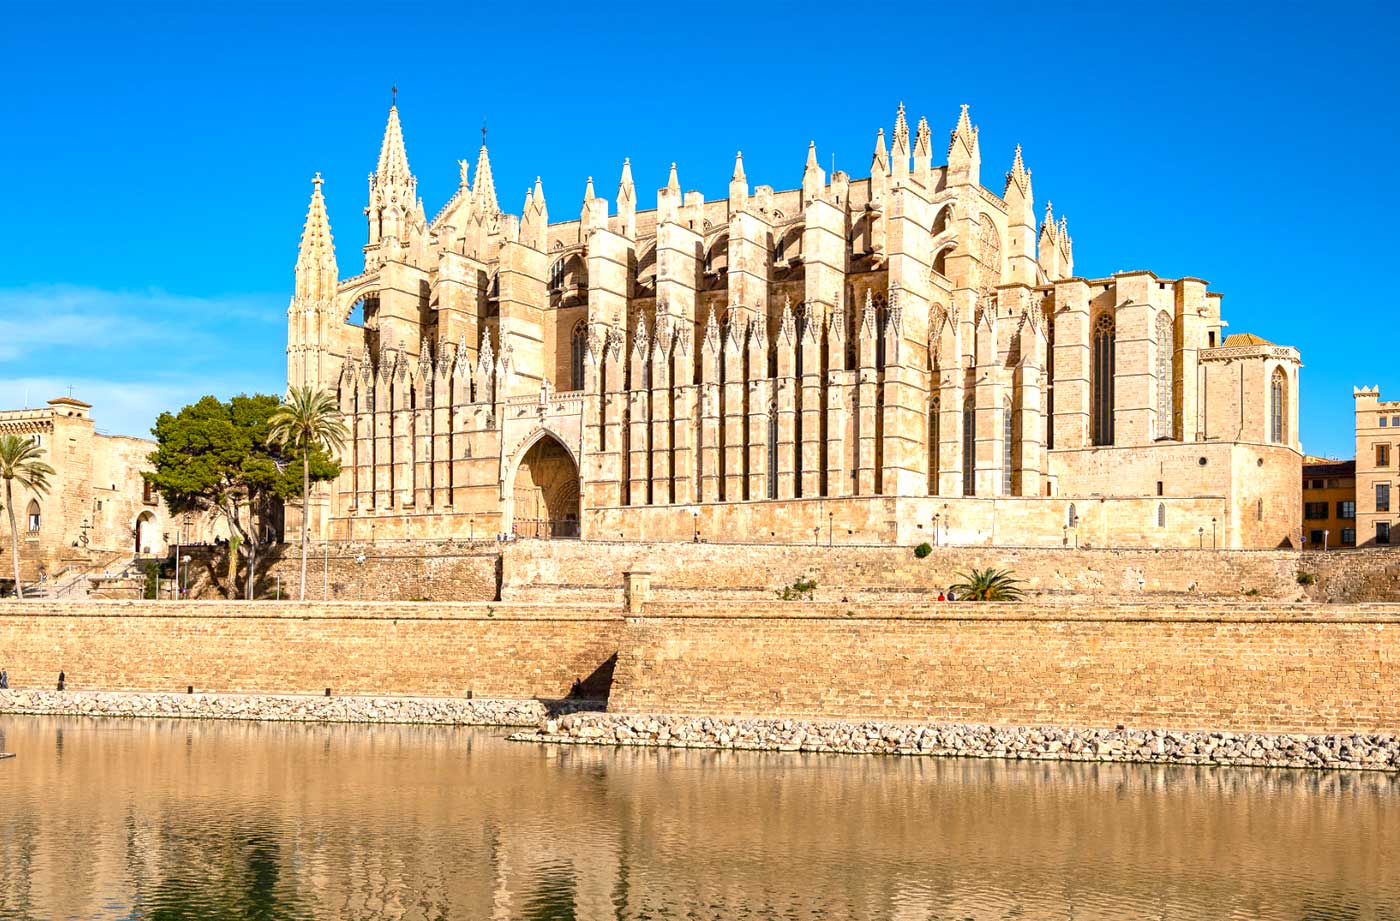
x=543, y=570
x=1265, y=668
x=391, y=570
x=429, y=650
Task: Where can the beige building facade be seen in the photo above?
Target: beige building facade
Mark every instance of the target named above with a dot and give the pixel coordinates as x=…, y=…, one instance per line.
x=903, y=357
x=98, y=509
x=1377, y=440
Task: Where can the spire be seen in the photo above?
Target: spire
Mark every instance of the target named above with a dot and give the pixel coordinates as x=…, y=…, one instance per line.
x=881, y=160
x=739, y=168
x=627, y=202
x=813, y=179
x=588, y=194
x=626, y=189
x=316, y=273
x=738, y=185
x=964, y=131
x=1019, y=177
x=484, y=197
x=901, y=129
x=673, y=183
x=539, y=193
x=923, y=148
x=393, y=159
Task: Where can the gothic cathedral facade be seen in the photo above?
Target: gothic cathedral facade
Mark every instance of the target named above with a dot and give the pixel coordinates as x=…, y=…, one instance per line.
x=907, y=357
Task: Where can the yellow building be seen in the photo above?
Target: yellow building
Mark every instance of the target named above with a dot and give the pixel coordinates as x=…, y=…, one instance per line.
x=1329, y=503
x=902, y=357
x=98, y=511
x=1377, y=436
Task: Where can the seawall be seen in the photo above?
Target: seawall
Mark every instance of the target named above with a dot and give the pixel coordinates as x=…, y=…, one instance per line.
x=1244, y=668
x=382, y=648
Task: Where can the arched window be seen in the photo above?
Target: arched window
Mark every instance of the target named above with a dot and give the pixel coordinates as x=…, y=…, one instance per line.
x=35, y=519
x=773, y=452
x=1006, y=453
x=1166, y=376
x=940, y=224
x=1105, y=347
x=779, y=247
x=1071, y=517
x=1161, y=514
x=556, y=275
x=1278, y=407
x=933, y=446
x=578, y=350
x=969, y=464
x=495, y=285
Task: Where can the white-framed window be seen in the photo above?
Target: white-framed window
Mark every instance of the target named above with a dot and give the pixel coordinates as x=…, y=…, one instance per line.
x=35, y=517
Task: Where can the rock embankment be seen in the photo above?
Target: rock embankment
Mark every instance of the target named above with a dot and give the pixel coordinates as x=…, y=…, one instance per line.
x=1351, y=752
x=447, y=711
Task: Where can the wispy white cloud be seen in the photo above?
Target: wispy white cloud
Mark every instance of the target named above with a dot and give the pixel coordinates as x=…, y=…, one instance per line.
x=41, y=318
x=135, y=354
x=125, y=407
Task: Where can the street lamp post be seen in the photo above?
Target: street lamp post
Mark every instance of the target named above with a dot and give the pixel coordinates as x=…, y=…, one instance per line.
x=935, y=529
x=830, y=527
x=695, y=525
x=1201, y=538
x=1212, y=535
x=185, y=586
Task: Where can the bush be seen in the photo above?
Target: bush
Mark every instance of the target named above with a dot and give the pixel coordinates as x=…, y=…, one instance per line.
x=798, y=591
x=1307, y=578
x=923, y=550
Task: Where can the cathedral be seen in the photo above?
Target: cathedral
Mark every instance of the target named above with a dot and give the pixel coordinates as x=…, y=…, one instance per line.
x=907, y=357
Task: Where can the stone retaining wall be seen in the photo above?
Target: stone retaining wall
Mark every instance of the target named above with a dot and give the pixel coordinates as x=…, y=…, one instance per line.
x=423, y=650
x=1362, y=752
x=291, y=708
x=1263, y=667
x=593, y=570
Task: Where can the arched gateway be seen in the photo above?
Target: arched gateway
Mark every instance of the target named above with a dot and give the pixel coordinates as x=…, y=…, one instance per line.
x=545, y=492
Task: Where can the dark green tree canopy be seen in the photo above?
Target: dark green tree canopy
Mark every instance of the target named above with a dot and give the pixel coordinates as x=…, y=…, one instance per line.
x=214, y=454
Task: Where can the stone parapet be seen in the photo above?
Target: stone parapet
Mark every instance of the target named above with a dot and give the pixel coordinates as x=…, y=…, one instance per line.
x=1357, y=752
x=292, y=708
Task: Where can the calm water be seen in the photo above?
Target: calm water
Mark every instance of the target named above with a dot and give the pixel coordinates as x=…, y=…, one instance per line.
x=176, y=820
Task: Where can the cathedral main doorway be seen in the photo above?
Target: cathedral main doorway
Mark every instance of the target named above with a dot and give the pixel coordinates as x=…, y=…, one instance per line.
x=546, y=492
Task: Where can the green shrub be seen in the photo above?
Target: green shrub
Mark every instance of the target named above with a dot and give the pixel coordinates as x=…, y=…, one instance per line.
x=151, y=590
x=923, y=550
x=798, y=591
x=1307, y=578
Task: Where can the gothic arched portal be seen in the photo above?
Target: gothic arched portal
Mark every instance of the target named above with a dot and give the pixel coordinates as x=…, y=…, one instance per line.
x=546, y=492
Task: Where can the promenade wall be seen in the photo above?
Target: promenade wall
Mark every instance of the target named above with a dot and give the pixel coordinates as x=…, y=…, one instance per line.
x=405, y=649
x=1259, y=667
x=1241, y=668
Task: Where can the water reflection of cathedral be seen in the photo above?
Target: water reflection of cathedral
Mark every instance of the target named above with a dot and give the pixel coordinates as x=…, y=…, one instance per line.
x=427, y=823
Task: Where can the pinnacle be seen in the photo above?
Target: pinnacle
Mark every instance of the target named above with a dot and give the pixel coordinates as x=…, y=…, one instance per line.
x=485, y=197
x=588, y=194
x=738, y=168
x=673, y=183
x=812, y=155
x=393, y=159
x=316, y=270
x=539, y=192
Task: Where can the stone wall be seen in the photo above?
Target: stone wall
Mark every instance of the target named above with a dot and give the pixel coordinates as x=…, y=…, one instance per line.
x=1242, y=668
x=539, y=571
x=382, y=571
x=437, y=650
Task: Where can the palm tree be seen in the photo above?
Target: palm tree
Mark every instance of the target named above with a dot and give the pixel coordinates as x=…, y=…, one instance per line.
x=19, y=461
x=988, y=585
x=307, y=421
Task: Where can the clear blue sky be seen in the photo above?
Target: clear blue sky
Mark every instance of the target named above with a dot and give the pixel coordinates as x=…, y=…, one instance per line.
x=158, y=158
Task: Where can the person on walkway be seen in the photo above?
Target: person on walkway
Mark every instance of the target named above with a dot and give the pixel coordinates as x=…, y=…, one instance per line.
x=942, y=597
x=60, y=681
x=4, y=680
